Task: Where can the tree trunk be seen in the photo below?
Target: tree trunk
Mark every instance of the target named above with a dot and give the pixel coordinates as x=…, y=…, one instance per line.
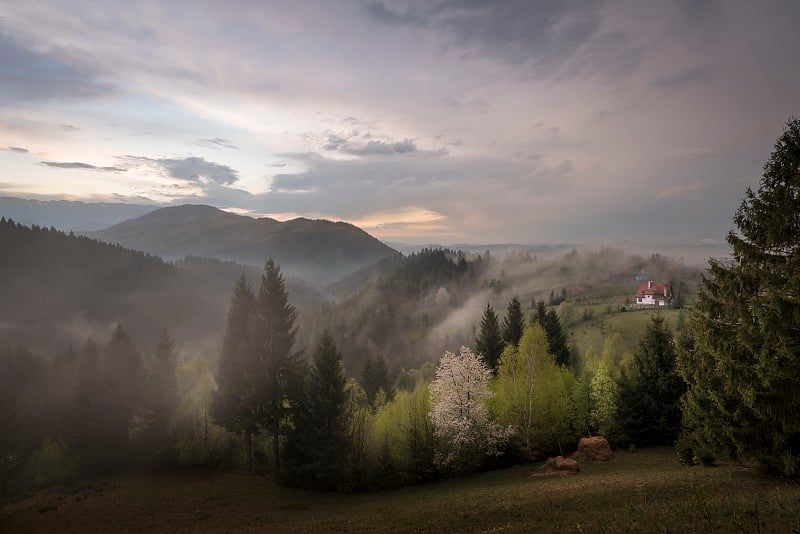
x=276, y=448
x=248, y=441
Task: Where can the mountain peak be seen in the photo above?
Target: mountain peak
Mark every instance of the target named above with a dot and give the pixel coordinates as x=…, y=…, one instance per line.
x=319, y=251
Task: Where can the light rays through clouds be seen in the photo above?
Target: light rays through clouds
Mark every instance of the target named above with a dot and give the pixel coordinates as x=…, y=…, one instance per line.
x=448, y=121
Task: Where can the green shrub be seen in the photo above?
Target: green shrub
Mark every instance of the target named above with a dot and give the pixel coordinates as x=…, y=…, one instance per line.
x=50, y=464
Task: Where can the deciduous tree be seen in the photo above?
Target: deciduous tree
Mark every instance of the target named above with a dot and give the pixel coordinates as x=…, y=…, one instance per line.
x=459, y=412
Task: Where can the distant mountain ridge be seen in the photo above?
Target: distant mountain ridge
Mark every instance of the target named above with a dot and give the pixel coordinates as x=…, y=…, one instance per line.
x=319, y=251
x=70, y=215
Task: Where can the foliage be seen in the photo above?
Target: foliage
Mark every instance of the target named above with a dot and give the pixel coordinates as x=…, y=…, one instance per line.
x=648, y=405
x=743, y=363
x=50, y=464
x=489, y=343
x=198, y=441
x=603, y=395
x=459, y=412
x=518, y=401
x=404, y=441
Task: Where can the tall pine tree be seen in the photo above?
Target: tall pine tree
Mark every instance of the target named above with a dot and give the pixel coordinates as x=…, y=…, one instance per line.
x=513, y=323
x=743, y=361
x=489, y=343
x=274, y=333
x=317, y=446
x=648, y=405
x=122, y=377
x=234, y=405
x=161, y=395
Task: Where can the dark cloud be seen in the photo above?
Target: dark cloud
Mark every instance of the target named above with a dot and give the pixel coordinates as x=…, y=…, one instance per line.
x=79, y=165
x=216, y=143
x=683, y=77
x=380, y=12
x=337, y=143
x=33, y=75
x=69, y=128
x=191, y=169
x=18, y=150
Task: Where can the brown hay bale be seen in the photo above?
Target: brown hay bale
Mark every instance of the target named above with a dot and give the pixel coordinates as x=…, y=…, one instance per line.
x=594, y=449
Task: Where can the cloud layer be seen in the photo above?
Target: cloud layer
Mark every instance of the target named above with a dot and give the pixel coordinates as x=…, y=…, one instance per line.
x=419, y=120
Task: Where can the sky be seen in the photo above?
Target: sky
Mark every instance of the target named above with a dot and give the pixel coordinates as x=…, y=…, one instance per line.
x=435, y=121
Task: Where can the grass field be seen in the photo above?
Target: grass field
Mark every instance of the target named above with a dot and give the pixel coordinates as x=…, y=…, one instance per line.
x=629, y=324
x=645, y=491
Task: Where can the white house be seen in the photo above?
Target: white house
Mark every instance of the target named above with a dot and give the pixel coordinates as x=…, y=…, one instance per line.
x=652, y=293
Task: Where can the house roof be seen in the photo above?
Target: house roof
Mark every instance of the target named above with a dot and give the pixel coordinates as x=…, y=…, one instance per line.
x=655, y=288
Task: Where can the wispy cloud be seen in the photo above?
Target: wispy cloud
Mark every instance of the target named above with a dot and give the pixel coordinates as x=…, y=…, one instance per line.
x=81, y=166
x=17, y=149
x=216, y=143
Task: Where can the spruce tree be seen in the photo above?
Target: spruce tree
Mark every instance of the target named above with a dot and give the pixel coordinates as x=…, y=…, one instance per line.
x=317, y=445
x=556, y=338
x=161, y=394
x=648, y=403
x=274, y=333
x=489, y=343
x=234, y=403
x=742, y=363
x=513, y=323
x=122, y=377
x=86, y=431
x=375, y=377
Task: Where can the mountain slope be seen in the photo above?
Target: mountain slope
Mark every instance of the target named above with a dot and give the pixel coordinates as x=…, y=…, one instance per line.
x=69, y=215
x=58, y=288
x=317, y=250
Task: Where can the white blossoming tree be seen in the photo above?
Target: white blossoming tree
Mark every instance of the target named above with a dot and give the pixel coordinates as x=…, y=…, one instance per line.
x=459, y=412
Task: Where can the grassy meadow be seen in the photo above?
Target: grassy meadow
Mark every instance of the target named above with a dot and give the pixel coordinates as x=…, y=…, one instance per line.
x=643, y=491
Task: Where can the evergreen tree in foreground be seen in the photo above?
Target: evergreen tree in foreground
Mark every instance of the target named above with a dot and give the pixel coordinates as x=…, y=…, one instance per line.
x=161, y=394
x=742, y=363
x=234, y=403
x=122, y=380
x=648, y=406
x=489, y=343
x=278, y=377
x=317, y=446
x=556, y=337
x=513, y=323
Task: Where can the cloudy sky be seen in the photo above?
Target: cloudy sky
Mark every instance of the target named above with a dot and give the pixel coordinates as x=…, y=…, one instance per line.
x=431, y=121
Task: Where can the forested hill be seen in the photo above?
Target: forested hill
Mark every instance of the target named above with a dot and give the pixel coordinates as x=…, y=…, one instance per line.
x=316, y=250
x=59, y=288
x=70, y=214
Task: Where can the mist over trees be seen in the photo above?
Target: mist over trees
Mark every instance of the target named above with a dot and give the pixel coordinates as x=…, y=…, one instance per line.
x=361, y=390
